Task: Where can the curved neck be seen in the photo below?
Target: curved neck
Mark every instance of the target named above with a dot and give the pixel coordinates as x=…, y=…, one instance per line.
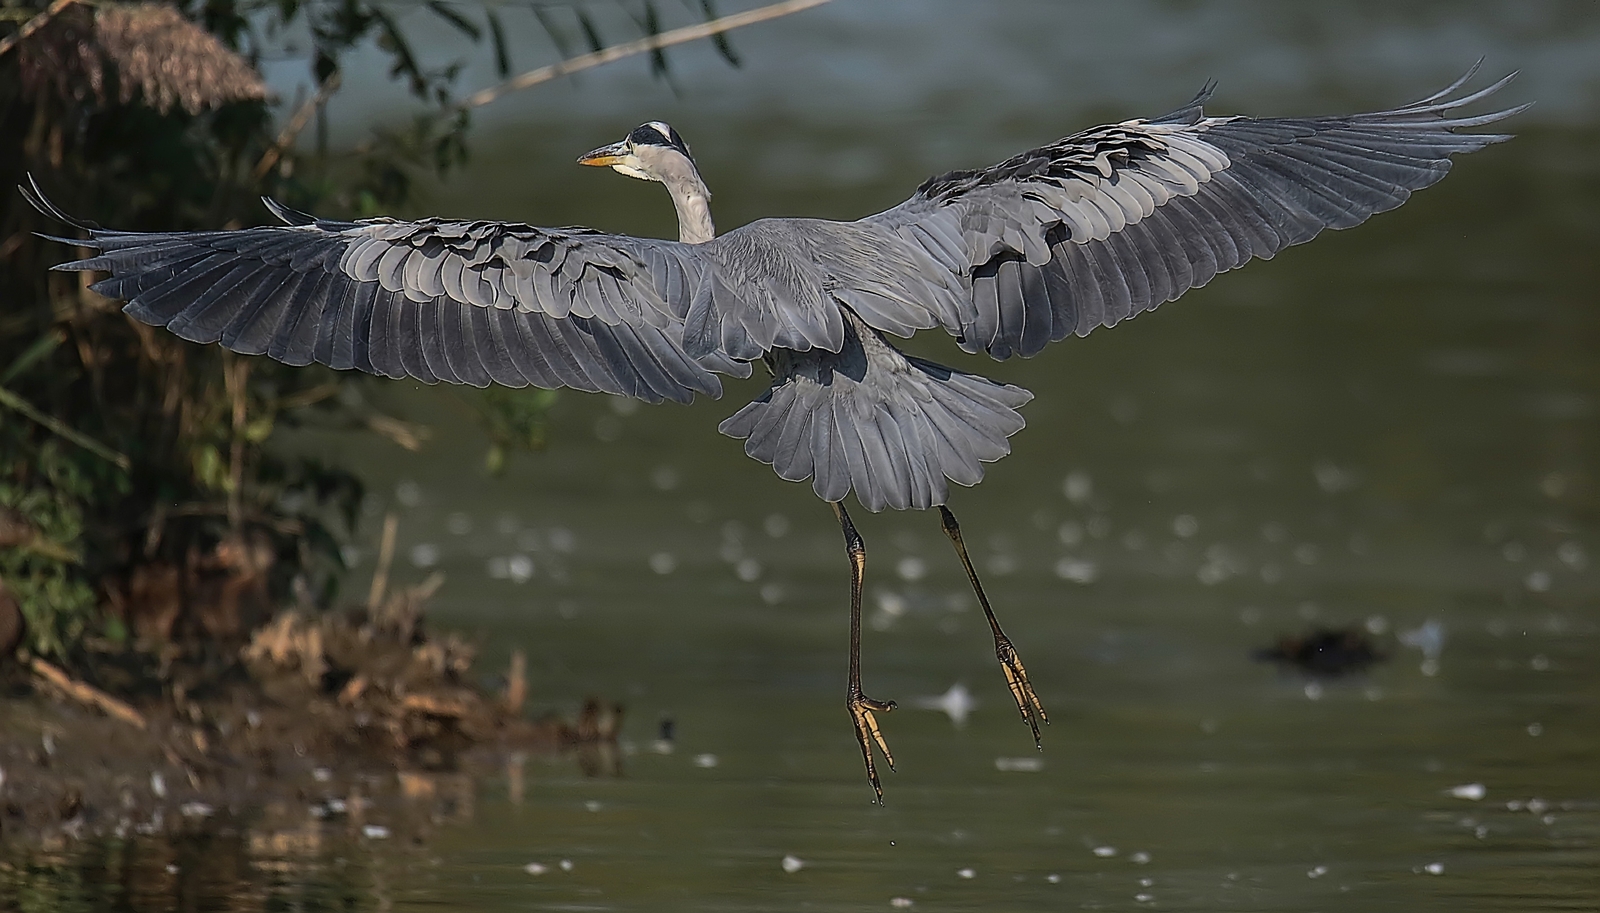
x=693, y=202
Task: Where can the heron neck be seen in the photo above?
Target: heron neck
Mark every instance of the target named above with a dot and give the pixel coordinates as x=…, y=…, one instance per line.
x=693, y=202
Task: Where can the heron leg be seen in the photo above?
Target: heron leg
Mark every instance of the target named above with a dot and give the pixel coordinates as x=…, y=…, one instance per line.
x=861, y=706
x=1010, y=663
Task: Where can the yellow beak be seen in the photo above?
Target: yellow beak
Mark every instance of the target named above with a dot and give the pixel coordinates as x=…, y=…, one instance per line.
x=605, y=155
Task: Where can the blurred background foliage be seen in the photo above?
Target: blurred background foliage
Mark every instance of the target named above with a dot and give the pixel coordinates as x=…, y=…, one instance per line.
x=135, y=470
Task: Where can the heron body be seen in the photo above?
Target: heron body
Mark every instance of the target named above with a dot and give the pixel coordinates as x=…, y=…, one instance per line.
x=1077, y=234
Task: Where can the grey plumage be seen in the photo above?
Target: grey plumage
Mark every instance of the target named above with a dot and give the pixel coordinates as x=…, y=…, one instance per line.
x=1080, y=233
x=869, y=417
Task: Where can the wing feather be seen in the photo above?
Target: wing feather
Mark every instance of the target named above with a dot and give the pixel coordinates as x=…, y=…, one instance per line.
x=411, y=299
x=1137, y=213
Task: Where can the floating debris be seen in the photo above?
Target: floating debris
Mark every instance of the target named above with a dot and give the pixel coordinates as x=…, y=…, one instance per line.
x=911, y=568
x=1077, y=570
x=1105, y=852
x=519, y=568
x=1329, y=652
x=1472, y=791
x=956, y=703
x=534, y=868
x=966, y=873
x=666, y=737
x=792, y=863
x=375, y=832
x=1019, y=765
x=1430, y=640
x=705, y=760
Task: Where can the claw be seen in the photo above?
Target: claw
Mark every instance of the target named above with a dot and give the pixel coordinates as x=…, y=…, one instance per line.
x=861, y=712
x=1021, y=690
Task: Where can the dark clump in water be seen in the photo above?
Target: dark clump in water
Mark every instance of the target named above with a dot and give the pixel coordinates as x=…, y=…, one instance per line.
x=1324, y=652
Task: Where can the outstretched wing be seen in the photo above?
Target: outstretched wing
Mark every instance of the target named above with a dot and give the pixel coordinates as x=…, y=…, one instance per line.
x=1113, y=221
x=463, y=302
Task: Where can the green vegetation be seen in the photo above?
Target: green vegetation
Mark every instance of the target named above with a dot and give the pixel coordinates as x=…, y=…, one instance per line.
x=137, y=466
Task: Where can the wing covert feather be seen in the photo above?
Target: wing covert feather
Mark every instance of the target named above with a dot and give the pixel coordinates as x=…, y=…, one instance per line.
x=1128, y=216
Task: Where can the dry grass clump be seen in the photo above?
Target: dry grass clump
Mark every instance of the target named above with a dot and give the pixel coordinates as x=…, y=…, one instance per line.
x=171, y=61
x=154, y=53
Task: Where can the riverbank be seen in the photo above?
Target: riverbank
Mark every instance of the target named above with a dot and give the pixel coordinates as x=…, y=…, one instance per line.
x=318, y=714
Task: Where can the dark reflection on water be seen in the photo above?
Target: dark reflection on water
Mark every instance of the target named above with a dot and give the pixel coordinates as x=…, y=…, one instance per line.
x=1392, y=428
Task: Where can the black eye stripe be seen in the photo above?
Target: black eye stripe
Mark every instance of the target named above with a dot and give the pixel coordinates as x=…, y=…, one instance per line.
x=648, y=135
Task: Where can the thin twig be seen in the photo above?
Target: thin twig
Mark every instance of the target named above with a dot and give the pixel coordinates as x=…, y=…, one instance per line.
x=307, y=397
x=643, y=45
x=516, y=683
x=380, y=577
x=84, y=693
x=32, y=25
x=18, y=404
x=235, y=375
x=405, y=434
x=296, y=123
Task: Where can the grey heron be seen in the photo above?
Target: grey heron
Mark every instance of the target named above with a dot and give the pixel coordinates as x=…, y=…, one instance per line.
x=1079, y=233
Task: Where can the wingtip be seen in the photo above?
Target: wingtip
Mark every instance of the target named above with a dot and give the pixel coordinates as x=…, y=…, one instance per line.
x=34, y=194
x=1193, y=110
x=287, y=215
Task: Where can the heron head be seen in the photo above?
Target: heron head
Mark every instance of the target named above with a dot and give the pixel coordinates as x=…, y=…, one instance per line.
x=650, y=152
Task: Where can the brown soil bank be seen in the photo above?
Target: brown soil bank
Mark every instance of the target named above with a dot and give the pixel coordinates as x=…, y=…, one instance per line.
x=314, y=709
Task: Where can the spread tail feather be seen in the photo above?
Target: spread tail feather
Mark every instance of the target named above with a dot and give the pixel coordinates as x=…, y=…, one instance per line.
x=895, y=429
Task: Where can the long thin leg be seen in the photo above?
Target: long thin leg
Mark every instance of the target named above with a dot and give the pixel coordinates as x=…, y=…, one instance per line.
x=861, y=706
x=1016, y=676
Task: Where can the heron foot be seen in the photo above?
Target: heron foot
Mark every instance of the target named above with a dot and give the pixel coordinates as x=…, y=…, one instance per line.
x=862, y=709
x=1021, y=690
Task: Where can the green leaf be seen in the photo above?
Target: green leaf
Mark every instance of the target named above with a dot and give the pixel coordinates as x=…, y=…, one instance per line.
x=393, y=40
x=115, y=630
x=590, y=33
x=502, y=55
x=210, y=469
x=259, y=430
x=30, y=356
x=652, y=27
x=558, y=37
x=720, y=40
x=462, y=24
